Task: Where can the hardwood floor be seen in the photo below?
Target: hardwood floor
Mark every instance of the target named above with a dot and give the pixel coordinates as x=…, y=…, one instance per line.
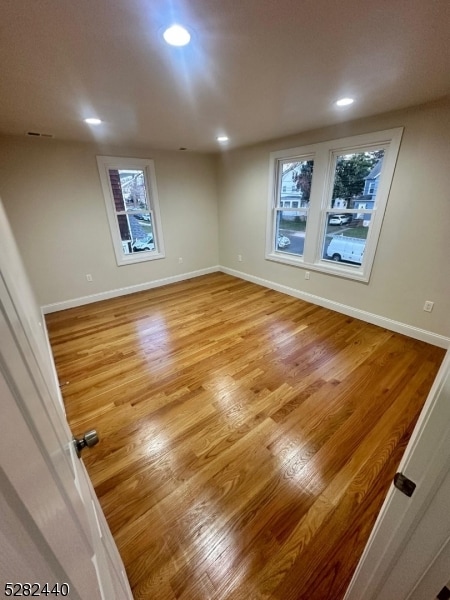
x=248, y=438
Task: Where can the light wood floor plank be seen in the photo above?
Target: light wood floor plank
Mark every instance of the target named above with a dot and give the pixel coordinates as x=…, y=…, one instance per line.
x=248, y=438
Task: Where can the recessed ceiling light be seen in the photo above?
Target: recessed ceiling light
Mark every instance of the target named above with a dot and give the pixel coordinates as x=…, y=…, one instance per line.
x=92, y=121
x=222, y=138
x=345, y=102
x=177, y=36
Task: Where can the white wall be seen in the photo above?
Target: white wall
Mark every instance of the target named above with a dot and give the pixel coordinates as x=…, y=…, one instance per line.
x=413, y=259
x=52, y=195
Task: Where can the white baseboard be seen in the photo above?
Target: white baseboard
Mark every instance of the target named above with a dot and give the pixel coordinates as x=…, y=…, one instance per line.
x=131, y=289
x=409, y=330
x=397, y=326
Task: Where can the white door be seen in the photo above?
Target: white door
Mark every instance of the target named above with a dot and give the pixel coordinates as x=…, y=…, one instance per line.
x=408, y=553
x=52, y=529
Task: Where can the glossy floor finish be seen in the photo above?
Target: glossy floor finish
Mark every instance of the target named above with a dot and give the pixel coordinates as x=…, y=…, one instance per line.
x=247, y=438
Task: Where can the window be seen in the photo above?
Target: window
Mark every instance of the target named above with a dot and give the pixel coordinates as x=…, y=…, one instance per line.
x=336, y=226
x=129, y=188
x=290, y=221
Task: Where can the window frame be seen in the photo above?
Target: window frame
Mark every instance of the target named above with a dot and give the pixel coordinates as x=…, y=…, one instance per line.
x=323, y=154
x=105, y=163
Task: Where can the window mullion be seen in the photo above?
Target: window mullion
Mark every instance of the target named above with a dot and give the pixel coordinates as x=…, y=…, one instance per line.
x=315, y=203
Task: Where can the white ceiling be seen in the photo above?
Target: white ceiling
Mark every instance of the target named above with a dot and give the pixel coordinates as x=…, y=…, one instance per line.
x=255, y=69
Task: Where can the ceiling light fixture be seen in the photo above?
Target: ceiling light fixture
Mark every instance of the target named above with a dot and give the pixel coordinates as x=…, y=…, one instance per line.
x=222, y=138
x=92, y=121
x=344, y=102
x=177, y=36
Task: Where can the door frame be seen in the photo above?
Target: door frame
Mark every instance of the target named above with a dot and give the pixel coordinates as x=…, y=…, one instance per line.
x=69, y=523
x=427, y=462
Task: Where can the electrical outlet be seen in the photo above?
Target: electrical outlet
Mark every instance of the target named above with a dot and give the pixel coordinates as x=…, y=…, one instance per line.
x=180, y=260
x=240, y=257
x=307, y=275
x=428, y=306
x=89, y=277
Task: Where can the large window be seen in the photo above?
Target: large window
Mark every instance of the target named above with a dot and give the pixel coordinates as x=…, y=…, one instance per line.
x=327, y=202
x=131, y=198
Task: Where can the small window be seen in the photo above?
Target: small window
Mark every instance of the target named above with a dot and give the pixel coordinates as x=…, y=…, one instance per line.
x=129, y=188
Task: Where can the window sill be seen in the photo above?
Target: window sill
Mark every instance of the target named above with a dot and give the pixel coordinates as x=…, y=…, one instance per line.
x=142, y=257
x=328, y=267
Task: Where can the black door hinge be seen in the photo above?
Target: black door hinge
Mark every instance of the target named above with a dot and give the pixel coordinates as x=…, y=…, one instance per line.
x=404, y=484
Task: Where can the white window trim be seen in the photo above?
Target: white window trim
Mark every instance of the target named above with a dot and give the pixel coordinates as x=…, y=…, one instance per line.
x=321, y=188
x=147, y=165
